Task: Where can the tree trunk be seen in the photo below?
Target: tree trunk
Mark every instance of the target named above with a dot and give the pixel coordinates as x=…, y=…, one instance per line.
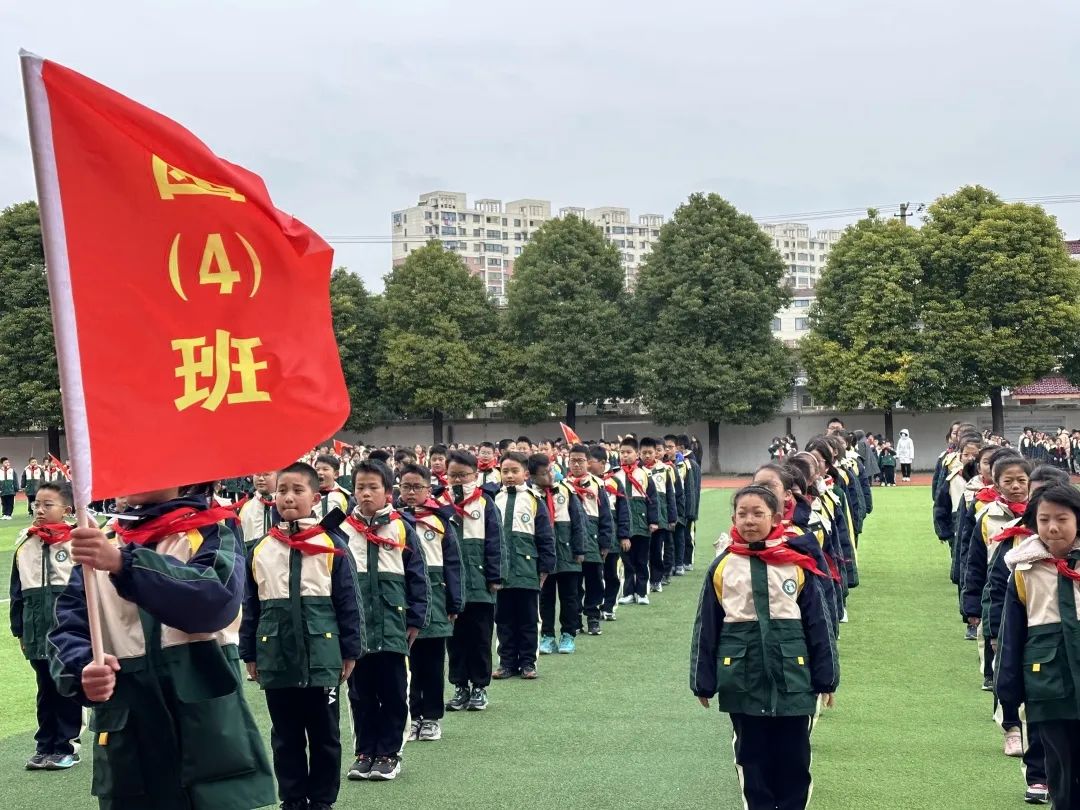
x=997, y=411
x=888, y=424
x=571, y=415
x=437, y=426
x=714, y=448
x=54, y=441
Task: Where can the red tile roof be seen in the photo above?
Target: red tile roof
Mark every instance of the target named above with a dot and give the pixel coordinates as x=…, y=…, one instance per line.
x=1073, y=246
x=1054, y=386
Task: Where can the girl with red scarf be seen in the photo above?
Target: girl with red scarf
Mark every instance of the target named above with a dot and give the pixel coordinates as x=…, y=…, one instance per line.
x=763, y=645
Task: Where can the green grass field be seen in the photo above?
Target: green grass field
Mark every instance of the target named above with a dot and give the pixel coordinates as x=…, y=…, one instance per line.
x=616, y=726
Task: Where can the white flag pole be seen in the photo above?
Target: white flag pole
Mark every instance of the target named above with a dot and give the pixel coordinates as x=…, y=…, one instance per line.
x=62, y=304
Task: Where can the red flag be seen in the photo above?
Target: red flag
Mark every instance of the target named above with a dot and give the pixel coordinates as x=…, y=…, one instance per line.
x=190, y=314
x=62, y=466
x=568, y=434
x=340, y=447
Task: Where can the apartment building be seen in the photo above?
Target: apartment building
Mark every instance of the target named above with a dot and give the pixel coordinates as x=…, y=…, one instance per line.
x=804, y=253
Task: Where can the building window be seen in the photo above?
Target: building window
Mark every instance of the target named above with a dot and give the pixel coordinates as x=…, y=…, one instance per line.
x=517, y=223
x=492, y=220
x=427, y=215
x=776, y=324
x=428, y=229
x=492, y=290
x=490, y=234
x=618, y=229
x=494, y=261
x=505, y=235
x=476, y=232
x=801, y=324
x=517, y=251
x=475, y=217
x=449, y=216
x=802, y=302
x=807, y=401
x=449, y=230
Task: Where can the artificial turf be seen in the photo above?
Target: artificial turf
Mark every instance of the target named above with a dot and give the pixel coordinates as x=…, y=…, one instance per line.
x=615, y=724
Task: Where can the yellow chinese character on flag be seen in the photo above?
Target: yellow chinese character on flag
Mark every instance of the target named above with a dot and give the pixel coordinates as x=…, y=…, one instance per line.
x=216, y=364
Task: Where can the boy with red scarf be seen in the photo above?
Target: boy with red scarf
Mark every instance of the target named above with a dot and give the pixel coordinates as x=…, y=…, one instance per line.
x=640, y=491
x=599, y=463
x=40, y=570
x=171, y=727
x=331, y=495
x=395, y=594
x=33, y=477
x=437, y=463
x=762, y=644
x=599, y=531
x=487, y=466
x=257, y=516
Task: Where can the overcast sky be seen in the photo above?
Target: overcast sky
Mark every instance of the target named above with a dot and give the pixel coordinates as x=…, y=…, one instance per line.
x=351, y=109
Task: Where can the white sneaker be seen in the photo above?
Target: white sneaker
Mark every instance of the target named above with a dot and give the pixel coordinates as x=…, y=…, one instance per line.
x=414, y=730
x=843, y=619
x=642, y=600
x=431, y=730
x=628, y=600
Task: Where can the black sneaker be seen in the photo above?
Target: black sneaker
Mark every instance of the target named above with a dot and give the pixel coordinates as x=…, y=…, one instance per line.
x=478, y=700
x=972, y=633
x=594, y=627
x=36, y=762
x=361, y=769
x=295, y=804
x=666, y=580
x=502, y=673
x=988, y=684
x=529, y=673
x=320, y=806
x=460, y=701
x=384, y=769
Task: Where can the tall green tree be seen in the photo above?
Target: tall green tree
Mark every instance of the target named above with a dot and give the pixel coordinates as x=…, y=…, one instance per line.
x=439, y=340
x=566, y=322
x=357, y=326
x=703, y=307
x=1002, y=297
x=29, y=380
x=864, y=344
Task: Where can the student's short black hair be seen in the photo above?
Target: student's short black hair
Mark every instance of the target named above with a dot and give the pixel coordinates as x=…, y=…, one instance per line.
x=61, y=489
x=378, y=468
x=1047, y=474
x=1059, y=494
x=822, y=446
x=488, y=445
x=537, y=462
x=411, y=468
x=683, y=440
x=671, y=437
x=835, y=420
x=524, y=439
x=305, y=470
x=378, y=455
x=503, y=445
x=598, y=453
x=402, y=455
x=987, y=450
x=998, y=453
x=629, y=441
x=330, y=460
x=462, y=457
x=765, y=494
x=648, y=441
x=1005, y=462
x=578, y=448
x=437, y=450
x=3, y=459
x=517, y=458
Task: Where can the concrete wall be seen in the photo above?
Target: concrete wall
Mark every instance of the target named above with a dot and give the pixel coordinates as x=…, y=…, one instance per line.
x=23, y=445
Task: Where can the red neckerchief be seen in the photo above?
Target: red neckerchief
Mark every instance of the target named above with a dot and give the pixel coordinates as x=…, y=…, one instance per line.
x=371, y=533
x=549, y=496
x=829, y=481
x=300, y=542
x=486, y=464
x=986, y=495
x=583, y=490
x=1012, y=531
x=51, y=533
x=612, y=486
x=429, y=508
x=1016, y=507
x=440, y=477
x=477, y=494
x=1064, y=569
x=329, y=490
x=789, y=511
x=834, y=569
x=177, y=521
x=780, y=554
x=266, y=501
x=629, y=473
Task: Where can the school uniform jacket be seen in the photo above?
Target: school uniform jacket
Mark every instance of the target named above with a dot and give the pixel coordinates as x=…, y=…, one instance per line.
x=944, y=462
x=845, y=528
x=693, y=488
x=620, y=510
x=478, y=526
x=442, y=555
x=641, y=497
x=762, y=641
x=257, y=517
x=39, y=574
x=9, y=482
x=950, y=490
x=392, y=575
x=489, y=480
x=302, y=612
x=982, y=548
x=334, y=498
x=530, y=538
x=568, y=524
x=1038, y=660
x=997, y=579
x=667, y=503
x=32, y=478
x=599, y=523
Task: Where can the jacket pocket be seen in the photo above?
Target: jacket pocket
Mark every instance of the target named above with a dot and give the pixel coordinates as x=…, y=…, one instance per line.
x=796, y=666
x=269, y=652
x=214, y=736
x=1044, y=675
x=731, y=673
x=324, y=643
x=117, y=773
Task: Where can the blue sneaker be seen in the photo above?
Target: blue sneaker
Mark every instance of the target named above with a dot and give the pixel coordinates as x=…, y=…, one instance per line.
x=547, y=645
x=61, y=762
x=566, y=643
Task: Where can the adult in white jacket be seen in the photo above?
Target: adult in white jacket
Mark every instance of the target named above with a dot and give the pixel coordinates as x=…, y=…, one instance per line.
x=905, y=454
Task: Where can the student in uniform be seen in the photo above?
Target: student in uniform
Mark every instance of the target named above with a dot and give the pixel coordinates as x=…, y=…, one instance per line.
x=331, y=495
x=9, y=487
x=487, y=467
x=951, y=485
x=395, y=593
x=437, y=464
x=763, y=646
x=668, y=495
x=40, y=571
x=944, y=458
x=567, y=516
x=477, y=525
x=530, y=552
x=684, y=540
x=300, y=644
x=170, y=725
x=599, y=461
x=257, y=516
x=599, y=531
x=442, y=555
x=33, y=476
x=978, y=493
x=673, y=564
x=1037, y=645
x=644, y=520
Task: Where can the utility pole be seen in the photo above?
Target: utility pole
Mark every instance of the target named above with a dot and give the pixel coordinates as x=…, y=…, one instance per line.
x=904, y=213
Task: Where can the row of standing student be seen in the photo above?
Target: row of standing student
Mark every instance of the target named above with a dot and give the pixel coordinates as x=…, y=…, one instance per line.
x=335, y=588
x=1011, y=528
x=764, y=640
